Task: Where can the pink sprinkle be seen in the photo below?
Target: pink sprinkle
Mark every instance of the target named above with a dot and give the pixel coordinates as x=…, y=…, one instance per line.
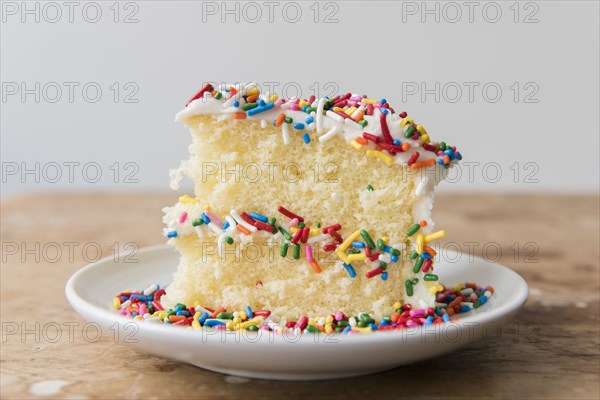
x=339, y=316
x=411, y=323
x=278, y=102
x=294, y=222
x=417, y=312
x=309, y=254
x=214, y=219
x=294, y=107
x=183, y=217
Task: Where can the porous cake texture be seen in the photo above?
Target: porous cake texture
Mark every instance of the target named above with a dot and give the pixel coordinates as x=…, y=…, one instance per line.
x=304, y=207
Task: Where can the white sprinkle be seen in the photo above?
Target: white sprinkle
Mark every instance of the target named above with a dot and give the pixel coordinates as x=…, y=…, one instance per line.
x=242, y=222
x=199, y=231
x=263, y=123
x=328, y=135
x=336, y=197
x=320, y=107
x=352, y=321
x=172, y=224
x=386, y=258
x=221, y=243
x=125, y=304
x=150, y=289
x=422, y=187
x=215, y=228
x=357, y=111
x=231, y=221
x=352, y=124
x=311, y=126
x=334, y=116
x=285, y=131
x=318, y=238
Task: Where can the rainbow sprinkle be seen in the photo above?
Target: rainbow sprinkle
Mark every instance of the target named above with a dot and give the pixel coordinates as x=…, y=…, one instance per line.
x=145, y=305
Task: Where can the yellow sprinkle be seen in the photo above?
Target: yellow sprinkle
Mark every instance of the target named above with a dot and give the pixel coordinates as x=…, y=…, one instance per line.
x=369, y=101
x=346, y=243
x=421, y=130
x=420, y=242
x=437, y=288
x=156, y=313
x=329, y=319
x=328, y=328
x=397, y=305
x=337, y=109
x=302, y=103
x=424, y=139
x=314, y=232
x=435, y=236
x=273, y=98
x=197, y=316
x=406, y=121
x=162, y=315
x=243, y=315
x=343, y=256
x=350, y=111
x=385, y=239
x=186, y=199
x=385, y=157
x=252, y=91
x=356, y=145
x=116, y=303
x=356, y=257
x=207, y=207
x=138, y=317
x=293, y=229
x=196, y=324
x=363, y=330
x=237, y=320
x=231, y=325
x=458, y=287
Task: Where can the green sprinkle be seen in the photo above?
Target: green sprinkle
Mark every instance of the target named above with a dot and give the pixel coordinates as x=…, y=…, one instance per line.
x=477, y=304
x=312, y=329
x=353, y=251
x=395, y=252
x=362, y=324
x=229, y=239
x=170, y=312
x=288, y=120
x=318, y=225
x=363, y=123
x=409, y=131
x=370, y=188
x=430, y=277
x=218, y=95
x=197, y=221
x=338, y=329
x=383, y=265
x=311, y=109
x=413, y=229
x=301, y=225
x=442, y=145
x=380, y=244
x=272, y=221
x=296, y=254
x=409, y=287
x=415, y=281
x=224, y=315
x=183, y=306
x=249, y=106
x=283, y=250
x=343, y=323
x=365, y=235
x=418, y=265
x=413, y=255
x=285, y=233
x=253, y=328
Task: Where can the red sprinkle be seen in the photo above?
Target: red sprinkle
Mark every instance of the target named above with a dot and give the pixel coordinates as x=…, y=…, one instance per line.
x=330, y=246
x=384, y=128
x=374, y=272
x=264, y=227
x=297, y=236
x=305, y=232
x=247, y=218
x=206, y=88
x=413, y=158
x=335, y=227
x=336, y=236
x=289, y=214
x=371, y=137
x=403, y=114
x=262, y=313
x=157, y=306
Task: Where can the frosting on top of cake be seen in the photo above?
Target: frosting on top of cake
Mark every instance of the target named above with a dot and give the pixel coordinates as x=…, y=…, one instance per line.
x=367, y=124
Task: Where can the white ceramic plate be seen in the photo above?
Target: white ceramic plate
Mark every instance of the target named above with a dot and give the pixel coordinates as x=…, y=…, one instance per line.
x=265, y=355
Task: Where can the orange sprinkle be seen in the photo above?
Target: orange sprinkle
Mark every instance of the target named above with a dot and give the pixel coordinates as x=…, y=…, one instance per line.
x=176, y=318
x=423, y=223
x=430, y=250
x=280, y=119
x=252, y=99
x=360, y=116
x=470, y=285
x=316, y=267
x=491, y=289
x=361, y=140
x=450, y=311
x=240, y=115
x=395, y=316
x=446, y=159
x=218, y=310
x=406, y=146
x=421, y=164
x=232, y=90
x=454, y=303
x=242, y=229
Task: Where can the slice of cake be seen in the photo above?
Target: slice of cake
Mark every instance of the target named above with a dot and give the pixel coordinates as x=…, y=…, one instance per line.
x=304, y=207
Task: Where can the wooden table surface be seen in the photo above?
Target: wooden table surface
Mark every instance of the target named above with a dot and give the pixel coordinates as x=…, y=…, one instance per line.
x=550, y=350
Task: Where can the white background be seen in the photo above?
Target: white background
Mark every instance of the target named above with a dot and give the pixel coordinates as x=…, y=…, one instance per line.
x=550, y=49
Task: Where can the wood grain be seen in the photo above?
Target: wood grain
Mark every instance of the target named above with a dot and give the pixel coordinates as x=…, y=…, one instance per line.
x=551, y=350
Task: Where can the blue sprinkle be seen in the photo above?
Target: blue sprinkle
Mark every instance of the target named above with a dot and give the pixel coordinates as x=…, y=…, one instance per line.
x=236, y=103
x=133, y=314
x=440, y=161
x=205, y=219
x=397, y=142
x=358, y=245
x=448, y=152
x=213, y=322
x=178, y=308
x=384, y=110
x=464, y=308
x=425, y=255
x=261, y=102
x=299, y=126
x=446, y=317
x=384, y=276
x=257, y=110
x=258, y=217
x=203, y=317
x=347, y=329
x=249, y=312
x=387, y=249
x=184, y=313
x=458, y=155
x=225, y=225
x=394, y=258
x=309, y=120
x=483, y=299
x=172, y=234
x=384, y=322
x=305, y=108
x=306, y=138
x=382, y=101
x=350, y=270
x=124, y=298
x=373, y=327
